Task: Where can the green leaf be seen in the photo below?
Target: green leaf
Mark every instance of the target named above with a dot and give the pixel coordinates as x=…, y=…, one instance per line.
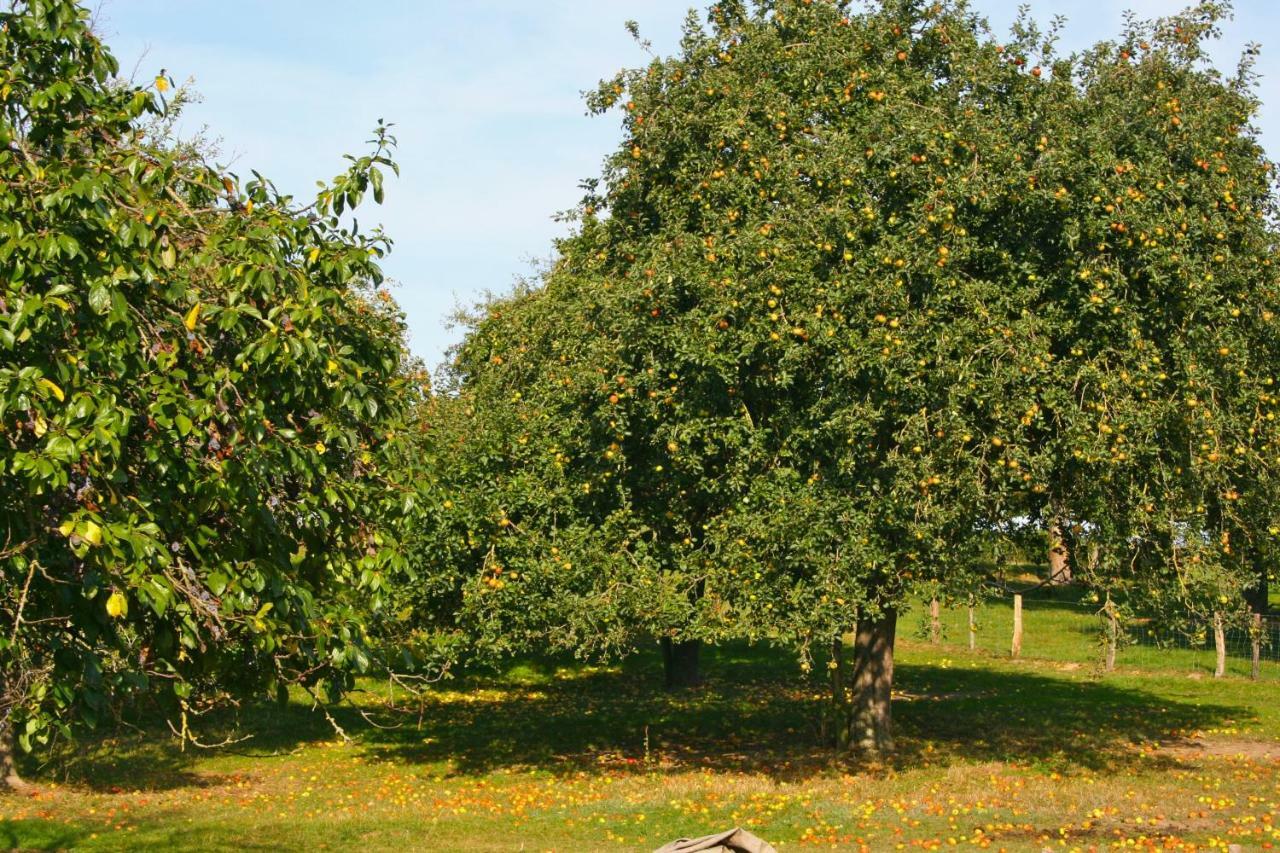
x=99, y=299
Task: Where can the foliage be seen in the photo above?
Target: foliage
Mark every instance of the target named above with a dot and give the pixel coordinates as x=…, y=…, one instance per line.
x=196, y=378
x=1165, y=310
x=513, y=544
x=863, y=292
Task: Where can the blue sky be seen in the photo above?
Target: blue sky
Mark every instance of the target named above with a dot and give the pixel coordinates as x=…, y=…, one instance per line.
x=486, y=97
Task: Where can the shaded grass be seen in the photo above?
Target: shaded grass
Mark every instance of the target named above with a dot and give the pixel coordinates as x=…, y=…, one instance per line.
x=552, y=755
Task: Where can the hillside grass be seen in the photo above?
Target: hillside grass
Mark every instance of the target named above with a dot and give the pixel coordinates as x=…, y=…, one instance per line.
x=551, y=755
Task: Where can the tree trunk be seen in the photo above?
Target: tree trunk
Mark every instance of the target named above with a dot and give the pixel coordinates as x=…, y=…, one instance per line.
x=680, y=663
x=872, y=722
x=1258, y=602
x=839, y=695
x=935, y=622
x=1059, y=553
x=1219, y=645
x=10, y=782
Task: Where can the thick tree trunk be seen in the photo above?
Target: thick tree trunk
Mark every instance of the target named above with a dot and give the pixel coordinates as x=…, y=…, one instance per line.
x=10, y=780
x=1219, y=645
x=680, y=663
x=872, y=722
x=1060, y=573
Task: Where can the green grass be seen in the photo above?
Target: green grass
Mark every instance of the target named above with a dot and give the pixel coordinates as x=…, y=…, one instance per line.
x=1064, y=625
x=552, y=756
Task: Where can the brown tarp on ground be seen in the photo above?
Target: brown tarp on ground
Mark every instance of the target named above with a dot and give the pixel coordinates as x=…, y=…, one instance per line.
x=734, y=841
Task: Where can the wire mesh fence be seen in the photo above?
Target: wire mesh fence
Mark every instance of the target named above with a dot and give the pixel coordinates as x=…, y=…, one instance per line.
x=1073, y=631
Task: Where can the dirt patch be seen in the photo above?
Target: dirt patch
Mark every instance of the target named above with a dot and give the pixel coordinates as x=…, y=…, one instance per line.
x=1254, y=749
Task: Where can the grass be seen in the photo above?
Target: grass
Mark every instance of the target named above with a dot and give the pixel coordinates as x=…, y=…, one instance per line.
x=1018, y=755
x=1063, y=625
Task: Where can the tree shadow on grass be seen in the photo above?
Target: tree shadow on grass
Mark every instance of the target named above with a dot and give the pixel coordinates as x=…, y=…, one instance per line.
x=755, y=715
x=148, y=761
x=38, y=835
x=770, y=727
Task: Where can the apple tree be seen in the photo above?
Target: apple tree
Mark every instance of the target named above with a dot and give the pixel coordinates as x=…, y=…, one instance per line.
x=862, y=287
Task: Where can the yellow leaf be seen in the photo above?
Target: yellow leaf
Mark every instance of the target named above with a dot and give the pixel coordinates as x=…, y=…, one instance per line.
x=320, y=448
x=162, y=85
x=117, y=605
x=91, y=533
x=66, y=527
x=53, y=389
x=193, y=317
x=333, y=366
x=313, y=254
x=40, y=427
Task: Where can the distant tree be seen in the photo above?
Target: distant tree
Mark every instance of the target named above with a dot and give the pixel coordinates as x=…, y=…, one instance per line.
x=526, y=538
x=1160, y=432
x=196, y=378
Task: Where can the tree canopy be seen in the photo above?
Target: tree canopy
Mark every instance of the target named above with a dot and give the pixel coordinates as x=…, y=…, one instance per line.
x=861, y=289
x=197, y=374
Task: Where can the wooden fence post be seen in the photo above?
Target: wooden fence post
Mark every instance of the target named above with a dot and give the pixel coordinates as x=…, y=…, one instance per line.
x=1017, y=626
x=1113, y=634
x=1255, y=637
x=973, y=628
x=1219, y=645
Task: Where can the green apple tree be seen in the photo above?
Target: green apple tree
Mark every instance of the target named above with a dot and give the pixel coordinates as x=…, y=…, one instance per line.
x=861, y=292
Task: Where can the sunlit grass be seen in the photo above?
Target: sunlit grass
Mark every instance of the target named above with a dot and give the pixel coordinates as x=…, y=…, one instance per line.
x=1066, y=625
x=1013, y=755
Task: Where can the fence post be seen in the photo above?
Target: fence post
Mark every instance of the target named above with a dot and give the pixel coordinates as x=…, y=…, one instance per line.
x=1113, y=634
x=1219, y=645
x=935, y=622
x=973, y=628
x=1017, y=626
x=1255, y=636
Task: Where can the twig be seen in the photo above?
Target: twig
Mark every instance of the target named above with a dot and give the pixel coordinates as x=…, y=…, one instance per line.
x=324, y=709
x=187, y=737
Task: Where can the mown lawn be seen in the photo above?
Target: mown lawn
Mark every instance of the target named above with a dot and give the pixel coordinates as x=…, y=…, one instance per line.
x=1065, y=625
x=992, y=753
